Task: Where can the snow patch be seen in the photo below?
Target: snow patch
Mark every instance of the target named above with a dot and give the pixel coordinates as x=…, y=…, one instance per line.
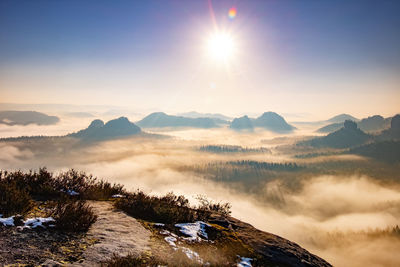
x=29, y=223
x=195, y=231
x=194, y=256
x=7, y=221
x=39, y=221
x=244, y=262
x=72, y=193
x=117, y=196
x=171, y=240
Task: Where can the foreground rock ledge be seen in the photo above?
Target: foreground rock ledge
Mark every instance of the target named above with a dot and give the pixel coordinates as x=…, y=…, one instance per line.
x=119, y=234
x=275, y=249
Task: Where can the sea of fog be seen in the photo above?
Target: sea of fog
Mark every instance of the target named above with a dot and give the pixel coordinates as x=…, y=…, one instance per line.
x=340, y=218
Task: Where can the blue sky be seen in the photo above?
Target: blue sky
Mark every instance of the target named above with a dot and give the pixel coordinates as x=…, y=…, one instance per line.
x=291, y=55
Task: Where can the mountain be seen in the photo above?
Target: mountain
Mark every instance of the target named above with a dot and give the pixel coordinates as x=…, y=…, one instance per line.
x=273, y=122
x=268, y=120
x=374, y=123
x=387, y=145
x=12, y=117
x=194, y=114
x=341, y=118
x=242, y=123
x=330, y=128
x=97, y=130
x=348, y=136
x=160, y=120
x=371, y=124
x=393, y=133
x=387, y=151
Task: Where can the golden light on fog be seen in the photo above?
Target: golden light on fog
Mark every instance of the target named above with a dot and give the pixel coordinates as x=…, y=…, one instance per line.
x=221, y=46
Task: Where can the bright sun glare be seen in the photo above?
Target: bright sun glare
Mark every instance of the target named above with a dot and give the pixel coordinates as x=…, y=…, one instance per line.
x=221, y=46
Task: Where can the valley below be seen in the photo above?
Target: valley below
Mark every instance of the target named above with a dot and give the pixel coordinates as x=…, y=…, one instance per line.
x=340, y=206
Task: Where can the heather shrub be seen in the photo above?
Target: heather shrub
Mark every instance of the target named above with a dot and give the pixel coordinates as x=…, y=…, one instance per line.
x=73, y=215
x=13, y=200
x=169, y=209
x=214, y=207
x=44, y=185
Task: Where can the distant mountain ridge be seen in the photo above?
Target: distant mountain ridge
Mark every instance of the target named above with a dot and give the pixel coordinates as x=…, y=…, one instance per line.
x=162, y=120
x=393, y=133
x=195, y=114
x=386, y=147
x=371, y=124
x=13, y=117
x=348, y=136
x=268, y=120
x=273, y=122
x=242, y=123
x=97, y=130
x=341, y=118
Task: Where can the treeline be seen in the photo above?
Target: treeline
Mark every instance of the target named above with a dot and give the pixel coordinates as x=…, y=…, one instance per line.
x=233, y=149
x=287, y=166
x=24, y=138
x=387, y=151
x=246, y=172
x=314, y=155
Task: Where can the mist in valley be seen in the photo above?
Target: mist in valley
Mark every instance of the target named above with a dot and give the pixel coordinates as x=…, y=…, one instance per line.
x=347, y=217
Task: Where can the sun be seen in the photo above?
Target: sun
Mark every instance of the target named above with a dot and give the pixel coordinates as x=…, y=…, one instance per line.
x=221, y=46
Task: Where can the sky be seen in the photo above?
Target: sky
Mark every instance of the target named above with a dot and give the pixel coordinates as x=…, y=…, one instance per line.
x=305, y=57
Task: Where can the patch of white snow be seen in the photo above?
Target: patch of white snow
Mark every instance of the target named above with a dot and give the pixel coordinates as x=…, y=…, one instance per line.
x=29, y=223
x=35, y=222
x=244, y=262
x=170, y=240
x=195, y=231
x=194, y=256
x=7, y=221
x=72, y=193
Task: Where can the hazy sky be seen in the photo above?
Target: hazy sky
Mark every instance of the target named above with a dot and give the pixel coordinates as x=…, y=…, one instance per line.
x=322, y=57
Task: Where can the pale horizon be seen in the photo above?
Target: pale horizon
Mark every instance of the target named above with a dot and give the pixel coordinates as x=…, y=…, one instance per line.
x=285, y=57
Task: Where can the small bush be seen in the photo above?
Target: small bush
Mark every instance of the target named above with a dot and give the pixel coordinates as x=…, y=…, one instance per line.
x=169, y=209
x=43, y=185
x=73, y=216
x=87, y=186
x=13, y=200
x=210, y=206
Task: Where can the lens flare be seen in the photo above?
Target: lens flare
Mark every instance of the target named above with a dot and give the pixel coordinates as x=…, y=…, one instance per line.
x=232, y=13
x=221, y=46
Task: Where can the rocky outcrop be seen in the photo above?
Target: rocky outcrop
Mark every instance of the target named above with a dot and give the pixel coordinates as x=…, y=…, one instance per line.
x=347, y=137
x=97, y=130
x=273, y=122
x=161, y=120
x=242, y=123
x=117, y=234
x=270, y=121
x=274, y=250
x=393, y=133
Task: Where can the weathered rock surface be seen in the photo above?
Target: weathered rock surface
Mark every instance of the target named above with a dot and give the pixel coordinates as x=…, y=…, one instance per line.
x=117, y=233
x=276, y=250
